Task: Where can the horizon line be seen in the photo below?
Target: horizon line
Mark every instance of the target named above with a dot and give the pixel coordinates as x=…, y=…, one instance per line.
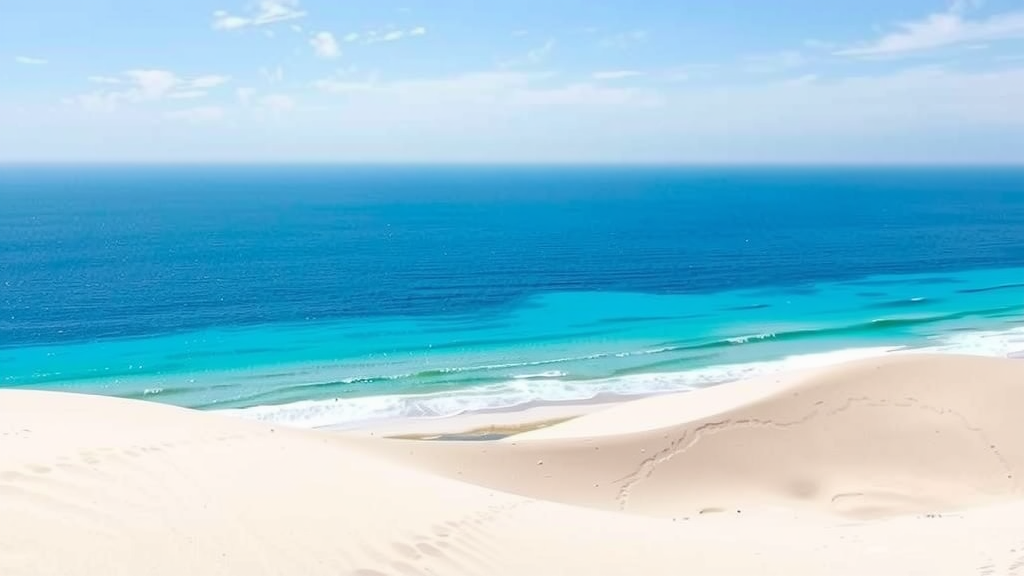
x=514, y=164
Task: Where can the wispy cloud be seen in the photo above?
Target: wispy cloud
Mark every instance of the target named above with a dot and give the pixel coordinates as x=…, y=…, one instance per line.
x=144, y=85
x=941, y=29
x=152, y=84
x=481, y=90
x=265, y=12
x=616, y=74
x=377, y=36
x=393, y=35
x=325, y=45
x=30, y=61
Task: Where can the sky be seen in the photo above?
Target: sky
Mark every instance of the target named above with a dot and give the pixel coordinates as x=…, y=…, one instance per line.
x=449, y=81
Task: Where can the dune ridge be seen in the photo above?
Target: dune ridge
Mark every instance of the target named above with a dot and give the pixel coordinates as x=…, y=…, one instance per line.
x=908, y=464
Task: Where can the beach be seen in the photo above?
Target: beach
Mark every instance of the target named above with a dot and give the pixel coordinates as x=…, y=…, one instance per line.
x=900, y=464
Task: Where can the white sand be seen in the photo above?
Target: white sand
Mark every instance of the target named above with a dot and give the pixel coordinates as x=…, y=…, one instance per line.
x=896, y=465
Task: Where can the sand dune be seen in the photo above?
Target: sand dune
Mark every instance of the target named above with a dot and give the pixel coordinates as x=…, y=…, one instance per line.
x=888, y=436
x=897, y=465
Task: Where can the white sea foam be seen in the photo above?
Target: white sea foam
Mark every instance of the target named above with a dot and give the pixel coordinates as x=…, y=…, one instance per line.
x=517, y=392
x=753, y=337
x=548, y=374
x=548, y=387
x=647, y=352
x=505, y=366
x=981, y=343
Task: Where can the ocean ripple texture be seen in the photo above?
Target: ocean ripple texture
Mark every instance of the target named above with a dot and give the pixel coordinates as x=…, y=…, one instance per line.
x=331, y=295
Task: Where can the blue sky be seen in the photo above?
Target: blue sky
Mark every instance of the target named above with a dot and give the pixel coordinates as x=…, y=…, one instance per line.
x=518, y=81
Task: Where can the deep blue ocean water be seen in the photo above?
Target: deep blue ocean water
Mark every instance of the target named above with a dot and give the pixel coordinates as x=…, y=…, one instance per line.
x=331, y=295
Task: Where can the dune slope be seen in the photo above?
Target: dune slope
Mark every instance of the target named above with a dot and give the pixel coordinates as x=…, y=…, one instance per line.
x=92, y=485
x=893, y=435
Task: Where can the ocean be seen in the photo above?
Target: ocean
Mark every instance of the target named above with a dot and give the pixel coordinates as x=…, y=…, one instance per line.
x=329, y=296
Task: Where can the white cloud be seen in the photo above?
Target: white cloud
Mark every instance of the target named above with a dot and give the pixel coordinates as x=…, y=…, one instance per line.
x=224, y=21
x=516, y=89
x=376, y=36
x=942, y=29
x=888, y=117
x=520, y=33
x=923, y=114
x=146, y=85
x=902, y=102
x=616, y=74
x=265, y=12
x=324, y=45
x=30, y=61
x=296, y=28
x=153, y=84
x=198, y=115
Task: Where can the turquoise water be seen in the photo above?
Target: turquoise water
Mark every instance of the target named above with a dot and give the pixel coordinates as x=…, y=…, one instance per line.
x=553, y=348
x=329, y=296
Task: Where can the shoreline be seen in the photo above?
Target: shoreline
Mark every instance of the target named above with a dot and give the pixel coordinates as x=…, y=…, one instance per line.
x=521, y=418
x=538, y=413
